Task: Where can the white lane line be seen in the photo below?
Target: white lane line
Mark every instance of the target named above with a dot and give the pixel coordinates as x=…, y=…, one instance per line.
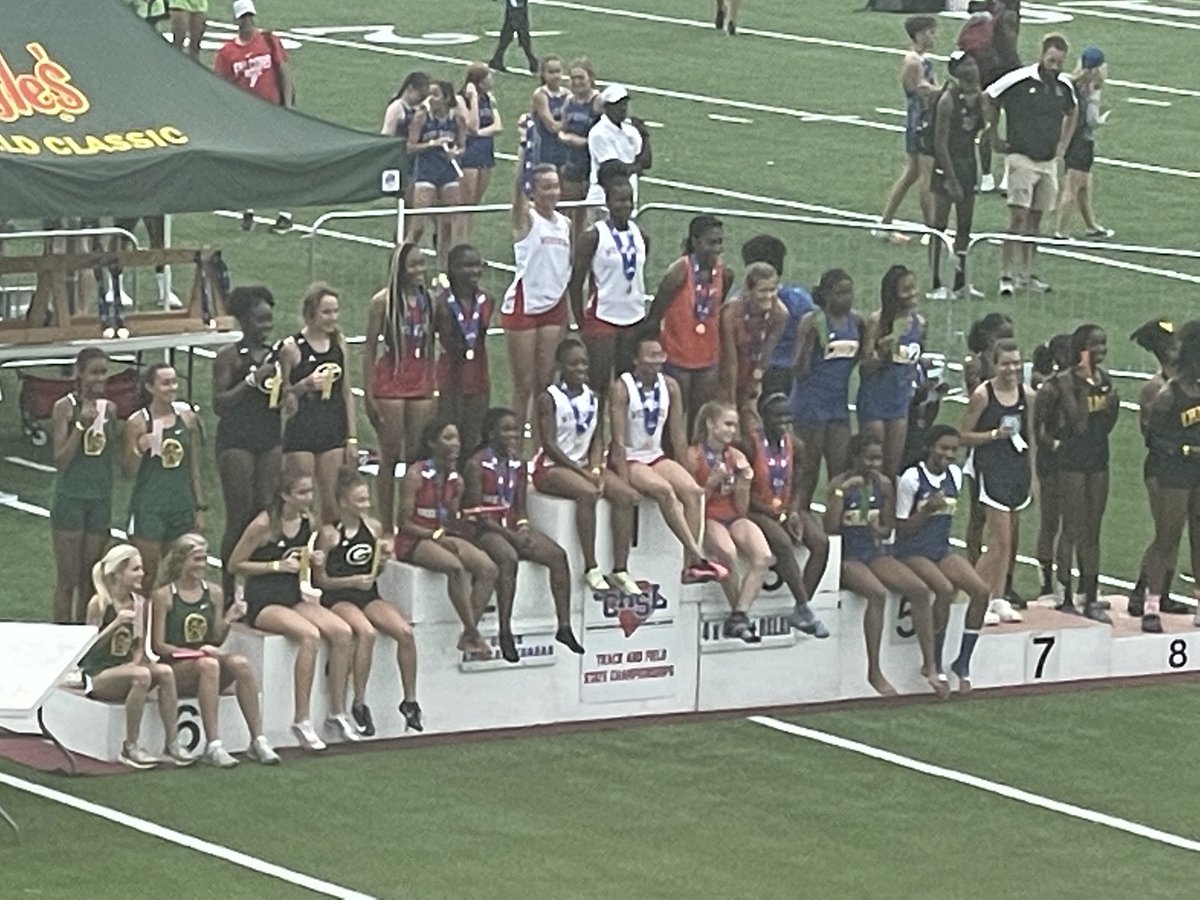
x=30, y=464
x=190, y=842
x=983, y=784
x=888, y=111
x=736, y=120
x=1154, y=88
x=1145, y=101
x=1124, y=17
x=1147, y=167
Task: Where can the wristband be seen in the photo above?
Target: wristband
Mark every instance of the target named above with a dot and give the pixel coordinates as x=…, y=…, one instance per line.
x=352, y=440
x=79, y=426
x=596, y=470
x=274, y=565
x=437, y=534
x=783, y=517
x=838, y=492
x=521, y=522
x=994, y=433
x=249, y=379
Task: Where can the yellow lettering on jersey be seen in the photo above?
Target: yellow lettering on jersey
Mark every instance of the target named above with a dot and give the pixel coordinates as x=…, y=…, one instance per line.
x=1189, y=417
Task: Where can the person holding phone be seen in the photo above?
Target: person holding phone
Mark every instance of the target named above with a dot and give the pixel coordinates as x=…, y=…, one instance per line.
x=997, y=427
x=187, y=632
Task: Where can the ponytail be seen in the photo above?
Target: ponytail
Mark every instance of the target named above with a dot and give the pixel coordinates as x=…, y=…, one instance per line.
x=112, y=563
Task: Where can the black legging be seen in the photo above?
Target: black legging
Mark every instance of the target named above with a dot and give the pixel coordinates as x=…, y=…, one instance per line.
x=516, y=21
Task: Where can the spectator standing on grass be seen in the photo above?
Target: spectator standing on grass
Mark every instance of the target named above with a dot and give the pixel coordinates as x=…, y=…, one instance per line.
x=483, y=124
x=920, y=89
x=957, y=120
x=516, y=22
x=83, y=425
x=1081, y=152
x=617, y=136
x=255, y=60
x=771, y=250
x=188, y=19
x=990, y=38
x=1040, y=113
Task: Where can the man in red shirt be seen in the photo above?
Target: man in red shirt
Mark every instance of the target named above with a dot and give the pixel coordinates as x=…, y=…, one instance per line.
x=255, y=60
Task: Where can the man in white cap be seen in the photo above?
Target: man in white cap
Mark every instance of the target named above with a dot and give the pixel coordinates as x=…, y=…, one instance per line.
x=255, y=60
x=616, y=136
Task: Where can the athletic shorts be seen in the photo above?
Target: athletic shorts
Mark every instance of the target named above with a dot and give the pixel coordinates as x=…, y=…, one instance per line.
x=436, y=168
x=1032, y=185
x=78, y=514
x=1081, y=153
x=519, y=320
x=676, y=371
x=357, y=598
x=412, y=379
x=479, y=154
x=254, y=608
x=999, y=493
x=190, y=6
x=161, y=526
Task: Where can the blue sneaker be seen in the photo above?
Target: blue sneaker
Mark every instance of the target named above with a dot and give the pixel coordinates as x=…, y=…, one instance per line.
x=803, y=620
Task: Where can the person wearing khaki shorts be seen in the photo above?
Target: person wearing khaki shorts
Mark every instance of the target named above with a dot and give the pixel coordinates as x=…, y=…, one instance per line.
x=188, y=20
x=1041, y=111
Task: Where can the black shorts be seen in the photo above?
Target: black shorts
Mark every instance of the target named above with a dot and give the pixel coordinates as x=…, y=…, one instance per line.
x=314, y=434
x=1178, y=474
x=358, y=598
x=1080, y=155
x=965, y=171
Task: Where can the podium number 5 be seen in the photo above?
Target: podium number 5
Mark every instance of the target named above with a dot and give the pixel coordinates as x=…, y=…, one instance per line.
x=1046, y=643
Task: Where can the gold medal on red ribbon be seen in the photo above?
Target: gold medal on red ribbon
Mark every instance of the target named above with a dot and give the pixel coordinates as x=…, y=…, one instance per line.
x=469, y=355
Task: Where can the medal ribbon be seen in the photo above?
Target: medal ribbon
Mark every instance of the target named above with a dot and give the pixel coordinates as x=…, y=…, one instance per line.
x=629, y=254
x=470, y=328
x=702, y=291
x=582, y=423
x=651, y=406
x=777, y=464
x=415, y=326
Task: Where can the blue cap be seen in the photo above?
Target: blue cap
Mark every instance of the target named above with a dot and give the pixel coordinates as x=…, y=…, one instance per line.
x=1092, y=58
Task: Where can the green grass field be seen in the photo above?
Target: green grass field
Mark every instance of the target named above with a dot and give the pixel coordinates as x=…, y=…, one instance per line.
x=723, y=808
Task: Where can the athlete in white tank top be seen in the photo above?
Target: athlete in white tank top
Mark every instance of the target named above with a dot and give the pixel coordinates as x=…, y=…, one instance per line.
x=543, y=261
x=647, y=419
x=618, y=294
x=575, y=420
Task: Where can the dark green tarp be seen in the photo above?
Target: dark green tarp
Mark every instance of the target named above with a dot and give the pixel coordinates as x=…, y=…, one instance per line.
x=100, y=116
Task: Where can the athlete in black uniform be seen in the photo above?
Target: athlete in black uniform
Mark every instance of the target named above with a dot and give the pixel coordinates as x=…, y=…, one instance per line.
x=271, y=556
x=1173, y=433
x=248, y=437
x=1077, y=408
x=354, y=552
x=997, y=425
x=319, y=433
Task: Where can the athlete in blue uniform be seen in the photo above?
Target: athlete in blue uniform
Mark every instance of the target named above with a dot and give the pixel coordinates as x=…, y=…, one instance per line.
x=482, y=125
x=861, y=507
x=926, y=498
x=828, y=347
x=436, y=138
x=894, y=338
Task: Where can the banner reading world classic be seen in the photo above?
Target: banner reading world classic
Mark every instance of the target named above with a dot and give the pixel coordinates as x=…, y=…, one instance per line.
x=99, y=116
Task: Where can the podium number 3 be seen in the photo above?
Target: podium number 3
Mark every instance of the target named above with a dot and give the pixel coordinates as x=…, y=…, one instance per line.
x=1046, y=643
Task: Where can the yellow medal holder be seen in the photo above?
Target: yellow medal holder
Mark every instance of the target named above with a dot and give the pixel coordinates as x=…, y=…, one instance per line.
x=330, y=372
x=274, y=388
x=377, y=559
x=94, y=442
x=305, y=573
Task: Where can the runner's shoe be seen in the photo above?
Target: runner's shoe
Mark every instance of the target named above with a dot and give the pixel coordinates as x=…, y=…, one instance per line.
x=1035, y=285
x=177, y=756
x=342, y=725
x=1004, y=610
x=411, y=710
x=136, y=758
x=625, y=583
x=1151, y=623
x=1093, y=611
x=987, y=184
x=595, y=580
x=738, y=626
x=805, y=621
x=1007, y=287
x=307, y=735
x=216, y=755
x=263, y=752
x=362, y=718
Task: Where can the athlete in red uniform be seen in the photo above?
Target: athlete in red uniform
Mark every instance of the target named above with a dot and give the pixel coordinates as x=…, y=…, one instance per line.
x=751, y=325
x=461, y=317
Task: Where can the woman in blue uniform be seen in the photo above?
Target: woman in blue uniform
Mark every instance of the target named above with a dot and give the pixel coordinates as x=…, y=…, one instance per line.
x=274, y=559
x=548, y=101
x=354, y=549
x=998, y=426
x=861, y=507
x=483, y=124
x=248, y=427
x=926, y=499
x=1173, y=433
x=579, y=114
x=828, y=347
x=436, y=137
x=320, y=427
x=894, y=338
x=84, y=428
x=1077, y=408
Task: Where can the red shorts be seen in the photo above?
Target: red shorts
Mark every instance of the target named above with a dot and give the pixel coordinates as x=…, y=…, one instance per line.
x=412, y=379
x=519, y=320
x=637, y=462
x=471, y=374
x=541, y=466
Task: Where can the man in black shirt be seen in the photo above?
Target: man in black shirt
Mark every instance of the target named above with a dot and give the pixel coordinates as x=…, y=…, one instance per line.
x=1039, y=105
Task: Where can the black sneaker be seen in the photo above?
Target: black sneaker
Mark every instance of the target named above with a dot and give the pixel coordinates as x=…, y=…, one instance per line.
x=732, y=27
x=738, y=626
x=1173, y=606
x=1017, y=601
x=719, y=21
x=1092, y=610
x=1152, y=624
x=411, y=710
x=1067, y=605
x=1137, y=603
x=362, y=718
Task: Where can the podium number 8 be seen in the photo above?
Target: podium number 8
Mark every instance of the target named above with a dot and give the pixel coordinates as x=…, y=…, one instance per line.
x=1046, y=643
x=1177, y=658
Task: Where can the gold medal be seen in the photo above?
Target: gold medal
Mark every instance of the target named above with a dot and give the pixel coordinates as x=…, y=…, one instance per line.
x=94, y=442
x=469, y=355
x=701, y=328
x=172, y=454
x=331, y=372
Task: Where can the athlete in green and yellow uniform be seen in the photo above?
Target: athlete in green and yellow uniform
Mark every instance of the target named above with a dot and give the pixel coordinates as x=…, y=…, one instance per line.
x=188, y=632
x=83, y=426
x=162, y=453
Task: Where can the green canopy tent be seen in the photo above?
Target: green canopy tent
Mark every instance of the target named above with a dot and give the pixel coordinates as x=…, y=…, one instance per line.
x=99, y=116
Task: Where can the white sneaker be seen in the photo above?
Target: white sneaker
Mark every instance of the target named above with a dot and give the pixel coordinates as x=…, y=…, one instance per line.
x=889, y=237
x=1007, y=286
x=178, y=756
x=625, y=583
x=987, y=184
x=215, y=754
x=595, y=580
x=1005, y=610
x=990, y=618
x=136, y=758
x=307, y=735
x=939, y=294
x=968, y=292
x=344, y=727
x=263, y=752
x=1003, y=184
x=1035, y=285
